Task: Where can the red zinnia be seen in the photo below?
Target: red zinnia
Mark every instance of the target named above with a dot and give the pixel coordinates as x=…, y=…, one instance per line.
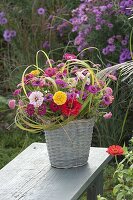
x=115, y=150
x=54, y=107
x=71, y=107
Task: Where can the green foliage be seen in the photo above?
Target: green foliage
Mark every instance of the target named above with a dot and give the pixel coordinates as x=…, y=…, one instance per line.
x=123, y=190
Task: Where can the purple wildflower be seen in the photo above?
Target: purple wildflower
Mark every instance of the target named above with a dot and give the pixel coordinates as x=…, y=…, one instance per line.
x=46, y=45
x=41, y=11
x=3, y=21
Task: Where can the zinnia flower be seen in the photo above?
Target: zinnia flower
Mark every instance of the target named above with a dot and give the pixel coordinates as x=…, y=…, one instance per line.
x=30, y=109
x=115, y=150
x=107, y=99
x=48, y=97
x=42, y=110
x=50, y=71
x=71, y=107
x=35, y=72
x=61, y=83
x=68, y=56
x=27, y=78
x=92, y=88
x=60, y=98
x=54, y=107
x=107, y=115
x=12, y=103
x=108, y=90
x=38, y=82
x=36, y=98
x=16, y=92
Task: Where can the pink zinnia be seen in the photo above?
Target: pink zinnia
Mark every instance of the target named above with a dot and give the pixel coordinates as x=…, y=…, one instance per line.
x=42, y=110
x=30, y=110
x=68, y=56
x=107, y=115
x=50, y=71
x=109, y=90
x=12, y=103
x=16, y=92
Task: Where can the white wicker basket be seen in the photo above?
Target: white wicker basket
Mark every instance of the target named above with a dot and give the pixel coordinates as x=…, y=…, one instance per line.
x=69, y=146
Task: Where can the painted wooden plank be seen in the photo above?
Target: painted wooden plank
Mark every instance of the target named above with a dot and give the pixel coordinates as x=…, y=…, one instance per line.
x=30, y=177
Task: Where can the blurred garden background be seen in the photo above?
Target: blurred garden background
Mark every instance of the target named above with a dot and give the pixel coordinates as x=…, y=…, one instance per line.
x=59, y=26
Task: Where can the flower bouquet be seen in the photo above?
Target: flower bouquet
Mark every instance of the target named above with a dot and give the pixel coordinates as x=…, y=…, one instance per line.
x=63, y=99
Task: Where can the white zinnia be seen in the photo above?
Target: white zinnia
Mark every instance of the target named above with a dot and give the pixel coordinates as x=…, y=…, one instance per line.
x=36, y=98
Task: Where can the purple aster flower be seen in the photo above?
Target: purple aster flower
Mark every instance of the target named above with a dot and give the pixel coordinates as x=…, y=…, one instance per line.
x=46, y=45
x=30, y=110
x=13, y=33
x=61, y=83
x=2, y=14
x=3, y=21
x=48, y=97
x=110, y=25
x=92, y=88
x=42, y=110
x=7, y=35
x=105, y=51
x=112, y=48
x=124, y=42
x=98, y=27
x=41, y=11
x=111, y=40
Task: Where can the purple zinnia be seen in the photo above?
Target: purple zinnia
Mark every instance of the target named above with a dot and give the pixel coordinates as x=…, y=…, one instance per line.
x=38, y=82
x=30, y=109
x=42, y=110
x=41, y=11
x=61, y=83
x=92, y=88
x=107, y=99
x=48, y=97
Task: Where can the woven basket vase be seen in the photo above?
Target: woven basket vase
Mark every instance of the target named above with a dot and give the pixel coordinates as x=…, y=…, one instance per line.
x=69, y=145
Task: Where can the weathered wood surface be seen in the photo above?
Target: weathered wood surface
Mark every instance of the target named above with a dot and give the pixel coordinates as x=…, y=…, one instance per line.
x=30, y=177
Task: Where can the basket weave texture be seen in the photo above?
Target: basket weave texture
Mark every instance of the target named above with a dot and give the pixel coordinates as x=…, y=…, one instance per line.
x=69, y=145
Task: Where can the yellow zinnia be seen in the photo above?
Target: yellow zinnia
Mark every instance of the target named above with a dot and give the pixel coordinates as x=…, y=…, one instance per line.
x=60, y=98
x=35, y=72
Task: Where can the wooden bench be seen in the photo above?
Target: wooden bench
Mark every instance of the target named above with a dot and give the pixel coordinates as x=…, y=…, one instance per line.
x=30, y=177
